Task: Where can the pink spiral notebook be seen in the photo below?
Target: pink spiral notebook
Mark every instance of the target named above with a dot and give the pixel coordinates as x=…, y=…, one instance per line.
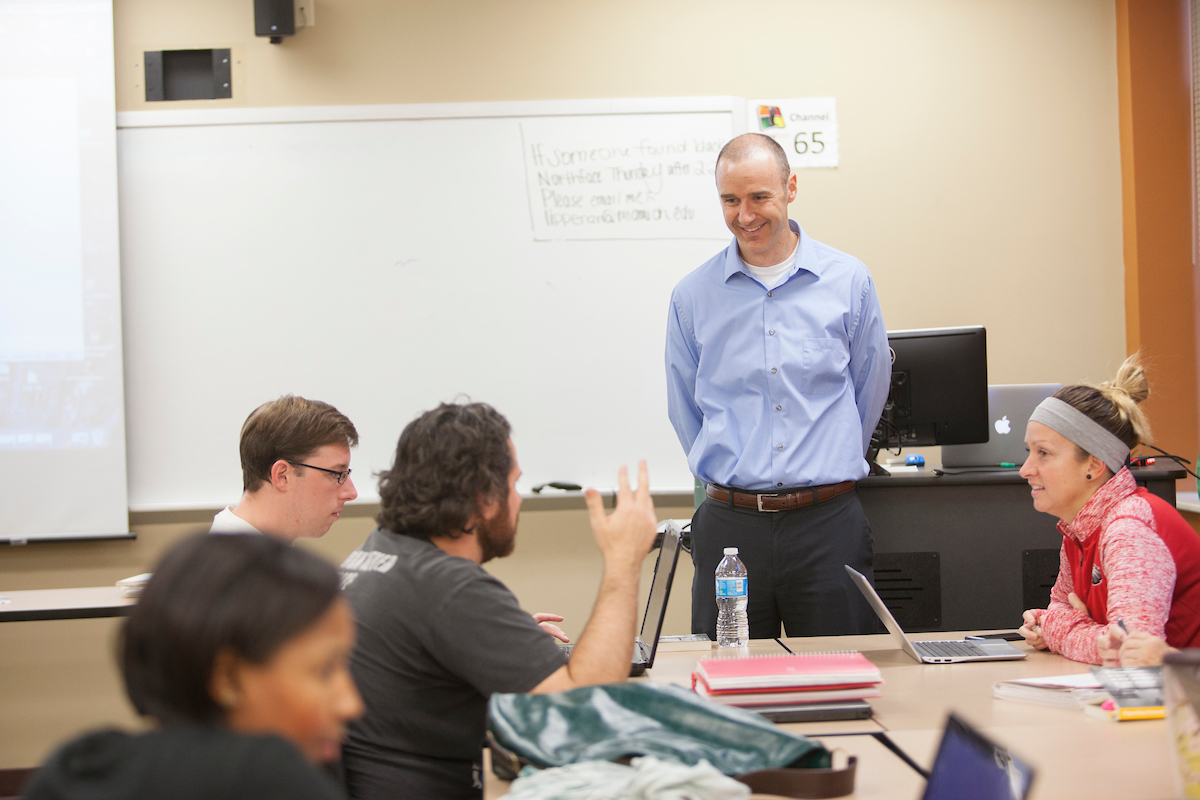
x=785, y=671
x=787, y=696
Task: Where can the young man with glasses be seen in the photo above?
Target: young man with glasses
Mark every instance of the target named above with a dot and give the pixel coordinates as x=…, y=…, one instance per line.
x=295, y=470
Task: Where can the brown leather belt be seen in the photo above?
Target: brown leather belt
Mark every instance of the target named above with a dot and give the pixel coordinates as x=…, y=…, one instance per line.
x=774, y=501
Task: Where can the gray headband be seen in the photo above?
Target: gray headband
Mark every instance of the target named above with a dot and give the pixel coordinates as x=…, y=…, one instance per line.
x=1081, y=429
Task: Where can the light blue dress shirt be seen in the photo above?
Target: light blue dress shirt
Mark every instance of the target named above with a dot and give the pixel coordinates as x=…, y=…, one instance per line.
x=781, y=388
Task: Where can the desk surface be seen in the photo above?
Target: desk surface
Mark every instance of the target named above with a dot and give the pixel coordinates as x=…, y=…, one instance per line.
x=1088, y=759
x=44, y=604
x=950, y=476
x=1076, y=756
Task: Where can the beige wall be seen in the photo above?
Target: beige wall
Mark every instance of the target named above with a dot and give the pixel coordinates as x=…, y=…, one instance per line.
x=979, y=181
x=980, y=172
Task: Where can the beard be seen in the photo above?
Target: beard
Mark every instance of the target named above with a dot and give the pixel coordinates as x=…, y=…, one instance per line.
x=498, y=536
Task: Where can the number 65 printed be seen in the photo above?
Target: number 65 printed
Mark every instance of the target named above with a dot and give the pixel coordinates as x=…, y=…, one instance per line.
x=805, y=140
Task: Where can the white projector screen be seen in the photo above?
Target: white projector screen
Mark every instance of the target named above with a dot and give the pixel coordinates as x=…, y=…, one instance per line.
x=62, y=419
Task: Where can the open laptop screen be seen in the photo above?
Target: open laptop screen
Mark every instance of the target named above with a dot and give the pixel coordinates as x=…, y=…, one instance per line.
x=968, y=764
x=660, y=587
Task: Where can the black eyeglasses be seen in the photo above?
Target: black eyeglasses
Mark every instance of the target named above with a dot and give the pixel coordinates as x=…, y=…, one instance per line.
x=341, y=476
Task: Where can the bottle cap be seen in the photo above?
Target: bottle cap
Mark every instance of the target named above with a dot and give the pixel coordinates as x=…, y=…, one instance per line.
x=731, y=551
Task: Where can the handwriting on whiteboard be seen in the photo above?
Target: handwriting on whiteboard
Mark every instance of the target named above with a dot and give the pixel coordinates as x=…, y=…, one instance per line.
x=629, y=176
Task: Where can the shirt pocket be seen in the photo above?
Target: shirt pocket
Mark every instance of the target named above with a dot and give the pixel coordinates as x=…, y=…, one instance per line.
x=823, y=365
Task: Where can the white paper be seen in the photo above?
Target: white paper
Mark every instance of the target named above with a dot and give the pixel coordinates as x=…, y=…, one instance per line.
x=1083, y=680
x=805, y=127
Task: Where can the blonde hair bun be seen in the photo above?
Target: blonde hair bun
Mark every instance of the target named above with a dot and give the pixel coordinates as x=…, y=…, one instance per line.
x=1115, y=404
x=1130, y=381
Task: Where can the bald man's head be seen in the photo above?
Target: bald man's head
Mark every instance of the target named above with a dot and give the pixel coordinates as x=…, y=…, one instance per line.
x=749, y=145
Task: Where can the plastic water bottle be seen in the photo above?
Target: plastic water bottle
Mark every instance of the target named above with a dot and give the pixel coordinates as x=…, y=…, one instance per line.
x=733, y=629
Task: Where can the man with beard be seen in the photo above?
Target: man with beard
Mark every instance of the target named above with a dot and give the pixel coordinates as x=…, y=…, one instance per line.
x=437, y=634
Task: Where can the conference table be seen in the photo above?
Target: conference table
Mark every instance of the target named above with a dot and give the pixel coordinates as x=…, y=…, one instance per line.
x=1075, y=755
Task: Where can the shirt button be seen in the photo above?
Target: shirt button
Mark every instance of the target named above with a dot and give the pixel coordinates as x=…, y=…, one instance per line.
x=772, y=294
x=773, y=370
x=771, y=332
x=778, y=447
x=779, y=408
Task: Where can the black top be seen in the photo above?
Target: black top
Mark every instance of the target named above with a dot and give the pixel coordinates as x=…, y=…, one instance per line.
x=437, y=635
x=181, y=762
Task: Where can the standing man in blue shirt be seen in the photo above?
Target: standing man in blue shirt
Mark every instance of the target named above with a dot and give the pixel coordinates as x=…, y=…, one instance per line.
x=777, y=371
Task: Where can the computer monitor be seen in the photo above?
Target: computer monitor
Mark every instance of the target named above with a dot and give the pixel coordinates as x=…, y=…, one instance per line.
x=939, y=390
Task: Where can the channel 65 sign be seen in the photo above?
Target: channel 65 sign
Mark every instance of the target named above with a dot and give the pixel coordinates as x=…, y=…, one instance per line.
x=806, y=128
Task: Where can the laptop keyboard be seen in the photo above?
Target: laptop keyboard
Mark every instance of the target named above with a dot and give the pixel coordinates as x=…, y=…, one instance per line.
x=949, y=649
x=641, y=654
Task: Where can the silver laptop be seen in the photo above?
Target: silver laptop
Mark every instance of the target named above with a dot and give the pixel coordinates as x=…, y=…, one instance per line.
x=943, y=652
x=1009, y=408
x=645, y=646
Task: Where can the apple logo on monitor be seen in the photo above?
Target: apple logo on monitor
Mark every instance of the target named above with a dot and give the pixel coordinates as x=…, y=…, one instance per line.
x=1003, y=425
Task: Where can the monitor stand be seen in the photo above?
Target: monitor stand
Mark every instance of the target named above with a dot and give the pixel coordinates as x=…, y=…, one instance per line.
x=876, y=467
x=880, y=439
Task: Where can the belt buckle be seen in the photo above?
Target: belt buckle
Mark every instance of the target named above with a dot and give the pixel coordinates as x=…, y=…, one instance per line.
x=760, y=497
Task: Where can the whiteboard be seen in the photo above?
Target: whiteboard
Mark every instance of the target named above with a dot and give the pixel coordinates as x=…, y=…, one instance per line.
x=384, y=259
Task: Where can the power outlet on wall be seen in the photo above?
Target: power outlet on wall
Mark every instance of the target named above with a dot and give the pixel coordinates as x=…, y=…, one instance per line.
x=306, y=13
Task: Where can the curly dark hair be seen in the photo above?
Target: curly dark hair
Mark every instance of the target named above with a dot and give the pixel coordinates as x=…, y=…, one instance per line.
x=448, y=460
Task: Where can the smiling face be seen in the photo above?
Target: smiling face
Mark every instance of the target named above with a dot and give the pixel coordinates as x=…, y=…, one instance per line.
x=755, y=200
x=303, y=693
x=317, y=498
x=1057, y=477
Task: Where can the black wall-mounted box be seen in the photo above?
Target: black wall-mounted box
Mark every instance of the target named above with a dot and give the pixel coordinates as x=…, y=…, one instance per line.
x=274, y=18
x=188, y=75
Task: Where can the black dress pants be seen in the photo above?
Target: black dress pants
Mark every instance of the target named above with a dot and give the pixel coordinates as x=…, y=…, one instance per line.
x=794, y=562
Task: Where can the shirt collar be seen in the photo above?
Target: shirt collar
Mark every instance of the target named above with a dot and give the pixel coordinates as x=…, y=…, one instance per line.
x=806, y=257
x=1099, y=506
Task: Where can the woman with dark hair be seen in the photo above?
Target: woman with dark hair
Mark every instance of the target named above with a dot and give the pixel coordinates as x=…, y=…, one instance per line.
x=1128, y=558
x=238, y=650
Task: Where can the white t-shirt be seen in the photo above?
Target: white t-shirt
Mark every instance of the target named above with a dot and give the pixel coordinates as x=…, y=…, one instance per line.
x=228, y=522
x=770, y=277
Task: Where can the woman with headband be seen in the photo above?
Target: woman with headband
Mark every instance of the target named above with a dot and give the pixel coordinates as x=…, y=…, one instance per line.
x=1128, y=558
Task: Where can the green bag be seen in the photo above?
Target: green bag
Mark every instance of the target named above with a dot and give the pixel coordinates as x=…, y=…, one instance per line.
x=622, y=720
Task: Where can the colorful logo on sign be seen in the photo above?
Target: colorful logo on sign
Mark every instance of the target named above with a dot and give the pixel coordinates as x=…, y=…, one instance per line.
x=770, y=117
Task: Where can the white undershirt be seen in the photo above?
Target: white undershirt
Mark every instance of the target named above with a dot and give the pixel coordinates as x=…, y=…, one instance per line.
x=770, y=277
x=228, y=522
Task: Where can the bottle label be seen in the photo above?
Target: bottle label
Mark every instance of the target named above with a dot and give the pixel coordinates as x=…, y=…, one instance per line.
x=731, y=587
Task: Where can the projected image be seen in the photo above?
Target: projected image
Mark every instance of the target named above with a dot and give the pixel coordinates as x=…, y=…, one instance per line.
x=56, y=405
x=41, y=245
x=60, y=326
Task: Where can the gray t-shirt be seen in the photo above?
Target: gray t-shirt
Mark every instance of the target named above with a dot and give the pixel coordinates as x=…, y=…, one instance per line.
x=436, y=636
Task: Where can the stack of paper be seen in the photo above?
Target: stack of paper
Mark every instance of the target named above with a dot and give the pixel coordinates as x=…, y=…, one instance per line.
x=782, y=682
x=132, y=587
x=1063, y=691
